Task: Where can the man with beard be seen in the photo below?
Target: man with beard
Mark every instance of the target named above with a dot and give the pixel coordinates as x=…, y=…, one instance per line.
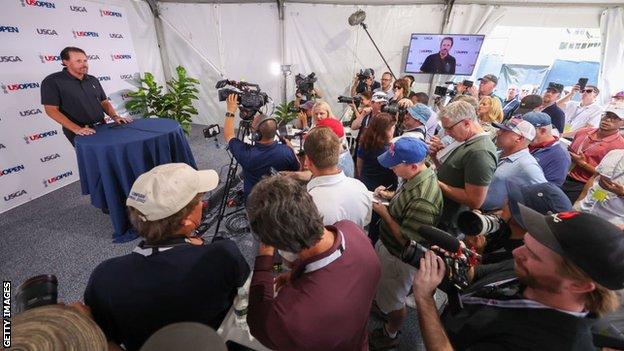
x=441, y=62
x=549, y=105
x=566, y=272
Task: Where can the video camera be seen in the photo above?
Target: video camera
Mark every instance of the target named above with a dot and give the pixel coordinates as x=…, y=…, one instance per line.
x=362, y=77
x=393, y=109
x=249, y=96
x=444, y=91
x=350, y=100
x=305, y=84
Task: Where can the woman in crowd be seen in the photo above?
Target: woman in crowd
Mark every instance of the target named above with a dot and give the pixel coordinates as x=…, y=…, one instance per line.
x=490, y=111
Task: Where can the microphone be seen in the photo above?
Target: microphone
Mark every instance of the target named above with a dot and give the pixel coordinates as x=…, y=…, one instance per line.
x=445, y=241
x=357, y=17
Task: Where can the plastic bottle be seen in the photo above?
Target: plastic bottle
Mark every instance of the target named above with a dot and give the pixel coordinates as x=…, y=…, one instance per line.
x=240, y=308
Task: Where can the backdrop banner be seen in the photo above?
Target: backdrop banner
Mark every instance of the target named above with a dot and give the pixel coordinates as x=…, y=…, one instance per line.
x=35, y=156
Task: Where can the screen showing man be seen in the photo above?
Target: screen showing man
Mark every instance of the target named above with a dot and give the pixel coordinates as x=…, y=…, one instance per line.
x=443, y=54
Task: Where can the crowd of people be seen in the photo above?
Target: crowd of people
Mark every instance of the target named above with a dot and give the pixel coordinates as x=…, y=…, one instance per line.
x=548, y=169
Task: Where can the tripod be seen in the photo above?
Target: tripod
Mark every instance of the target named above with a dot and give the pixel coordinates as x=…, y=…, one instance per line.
x=243, y=129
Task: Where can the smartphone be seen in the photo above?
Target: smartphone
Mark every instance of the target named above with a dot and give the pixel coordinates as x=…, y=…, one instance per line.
x=582, y=82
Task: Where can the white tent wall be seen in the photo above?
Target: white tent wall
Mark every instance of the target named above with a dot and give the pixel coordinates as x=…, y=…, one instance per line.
x=612, y=65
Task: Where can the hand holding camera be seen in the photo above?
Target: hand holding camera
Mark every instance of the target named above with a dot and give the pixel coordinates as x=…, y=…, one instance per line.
x=429, y=276
x=231, y=103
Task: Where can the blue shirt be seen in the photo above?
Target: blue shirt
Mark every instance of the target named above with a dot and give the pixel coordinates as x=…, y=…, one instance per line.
x=520, y=166
x=373, y=174
x=345, y=163
x=554, y=161
x=557, y=116
x=257, y=160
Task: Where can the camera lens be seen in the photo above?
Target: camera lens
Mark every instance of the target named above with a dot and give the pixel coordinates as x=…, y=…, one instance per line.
x=37, y=291
x=472, y=223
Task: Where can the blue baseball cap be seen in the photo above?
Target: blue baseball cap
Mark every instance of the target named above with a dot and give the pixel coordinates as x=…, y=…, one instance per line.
x=537, y=119
x=404, y=150
x=420, y=112
x=545, y=198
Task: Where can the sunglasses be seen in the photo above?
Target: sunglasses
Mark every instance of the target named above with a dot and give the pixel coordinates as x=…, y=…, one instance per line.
x=588, y=91
x=395, y=88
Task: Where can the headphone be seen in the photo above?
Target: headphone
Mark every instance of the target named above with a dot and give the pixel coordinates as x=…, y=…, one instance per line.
x=256, y=135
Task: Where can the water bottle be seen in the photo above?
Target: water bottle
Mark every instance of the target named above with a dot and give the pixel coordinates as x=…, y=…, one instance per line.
x=240, y=308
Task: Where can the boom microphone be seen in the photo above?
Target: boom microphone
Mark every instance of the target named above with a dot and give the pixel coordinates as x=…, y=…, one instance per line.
x=445, y=241
x=357, y=17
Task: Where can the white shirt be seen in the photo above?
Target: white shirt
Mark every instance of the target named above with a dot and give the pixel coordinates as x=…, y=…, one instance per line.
x=339, y=197
x=578, y=116
x=601, y=202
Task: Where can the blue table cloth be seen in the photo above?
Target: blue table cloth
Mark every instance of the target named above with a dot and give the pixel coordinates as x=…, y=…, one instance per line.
x=110, y=160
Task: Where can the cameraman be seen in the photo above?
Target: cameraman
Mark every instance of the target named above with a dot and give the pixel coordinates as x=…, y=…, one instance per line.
x=567, y=273
x=364, y=81
x=257, y=159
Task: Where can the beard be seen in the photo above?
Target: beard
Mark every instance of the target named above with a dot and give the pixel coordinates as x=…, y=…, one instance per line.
x=543, y=283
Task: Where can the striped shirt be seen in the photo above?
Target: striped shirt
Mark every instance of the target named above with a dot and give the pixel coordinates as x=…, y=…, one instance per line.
x=418, y=202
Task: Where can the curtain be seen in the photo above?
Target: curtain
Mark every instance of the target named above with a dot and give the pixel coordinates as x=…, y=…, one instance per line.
x=612, y=57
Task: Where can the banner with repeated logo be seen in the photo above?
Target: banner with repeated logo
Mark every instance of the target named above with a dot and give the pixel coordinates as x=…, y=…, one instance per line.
x=35, y=156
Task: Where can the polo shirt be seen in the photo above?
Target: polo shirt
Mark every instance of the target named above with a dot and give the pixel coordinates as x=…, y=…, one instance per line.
x=327, y=302
x=79, y=100
x=257, y=160
x=555, y=162
x=520, y=168
x=603, y=203
x=418, y=202
x=134, y=295
x=339, y=197
x=472, y=162
x=578, y=116
x=557, y=117
x=594, y=149
x=373, y=174
x=436, y=64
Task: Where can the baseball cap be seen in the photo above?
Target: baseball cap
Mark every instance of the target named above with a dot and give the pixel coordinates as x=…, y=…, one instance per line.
x=404, y=150
x=518, y=126
x=188, y=336
x=166, y=189
x=537, y=119
x=307, y=105
x=545, y=198
x=528, y=104
x=619, y=94
x=555, y=86
x=420, y=112
x=617, y=110
x=490, y=77
x=332, y=124
x=379, y=96
x=595, y=245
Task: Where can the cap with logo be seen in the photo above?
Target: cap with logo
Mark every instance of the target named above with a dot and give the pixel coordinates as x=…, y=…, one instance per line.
x=420, y=112
x=528, y=104
x=555, y=86
x=616, y=109
x=332, y=124
x=379, y=96
x=545, y=198
x=592, y=243
x=518, y=126
x=537, y=119
x=166, y=189
x=489, y=78
x=404, y=150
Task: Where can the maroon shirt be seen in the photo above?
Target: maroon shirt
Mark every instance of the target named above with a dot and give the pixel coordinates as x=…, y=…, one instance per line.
x=323, y=308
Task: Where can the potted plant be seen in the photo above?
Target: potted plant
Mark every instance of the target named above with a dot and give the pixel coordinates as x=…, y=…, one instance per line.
x=285, y=113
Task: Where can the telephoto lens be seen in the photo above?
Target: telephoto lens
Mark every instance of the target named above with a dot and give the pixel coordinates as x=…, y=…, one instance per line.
x=412, y=253
x=37, y=291
x=474, y=223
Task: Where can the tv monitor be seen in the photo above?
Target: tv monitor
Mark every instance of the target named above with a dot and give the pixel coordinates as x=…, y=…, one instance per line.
x=443, y=53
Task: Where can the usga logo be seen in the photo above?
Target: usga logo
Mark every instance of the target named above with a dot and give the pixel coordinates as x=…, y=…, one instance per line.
x=14, y=195
x=49, y=157
x=2, y=146
x=104, y=78
x=10, y=59
x=34, y=111
x=81, y=34
x=50, y=181
x=39, y=136
x=49, y=58
x=37, y=3
x=109, y=13
x=9, y=29
x=45, y=31
x=78, y=8
x=18, y=86
x=10, y=170
x=93, y=57
x=115, y=36
x=117, y=57
x=126, y=76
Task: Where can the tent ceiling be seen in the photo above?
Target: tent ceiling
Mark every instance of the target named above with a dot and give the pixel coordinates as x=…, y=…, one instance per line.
x=410, y=2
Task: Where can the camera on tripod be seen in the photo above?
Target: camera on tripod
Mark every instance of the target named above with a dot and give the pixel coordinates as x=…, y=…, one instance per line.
x=350, y=100
x=444, y=91
x=305, y=84
x=249, y=96
x=476, y=223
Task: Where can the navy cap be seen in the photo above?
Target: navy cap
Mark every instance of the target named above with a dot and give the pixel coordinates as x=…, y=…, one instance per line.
x=404, y=150
x=555, y=86
x=420, y=112
x=545, y=198
x=537, y=119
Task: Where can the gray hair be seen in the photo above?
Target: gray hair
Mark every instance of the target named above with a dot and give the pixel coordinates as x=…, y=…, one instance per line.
x=457, y=111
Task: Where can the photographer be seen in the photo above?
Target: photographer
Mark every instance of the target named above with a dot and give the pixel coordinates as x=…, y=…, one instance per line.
x=258, y=159
x=364, y=81
x=561, y=286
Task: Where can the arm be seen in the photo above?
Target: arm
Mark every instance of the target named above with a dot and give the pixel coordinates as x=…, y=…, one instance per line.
x=564, y=100
x=358, y=167
x=472, y=196
x=228, y=125
x=59, y=117
x=395, y=228
x=359, y=118
x=110, y=111
x=581, y=161
x=260, y=317
x=588, y=185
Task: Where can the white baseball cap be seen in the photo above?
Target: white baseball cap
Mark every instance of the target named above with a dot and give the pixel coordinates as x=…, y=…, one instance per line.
x=379, y=96
x=166, y=189
x=518, y=126
x=616, y=109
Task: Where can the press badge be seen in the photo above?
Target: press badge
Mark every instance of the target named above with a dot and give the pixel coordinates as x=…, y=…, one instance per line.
x=600, y=195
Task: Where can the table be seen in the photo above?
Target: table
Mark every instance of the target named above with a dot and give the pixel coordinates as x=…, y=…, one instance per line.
x=230, y=331
x=116, y=155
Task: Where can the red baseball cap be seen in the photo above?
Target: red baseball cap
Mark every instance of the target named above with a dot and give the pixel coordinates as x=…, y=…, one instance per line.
x=333, y=124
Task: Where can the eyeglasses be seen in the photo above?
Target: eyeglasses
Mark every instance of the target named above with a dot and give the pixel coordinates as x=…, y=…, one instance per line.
x=588, y=91
x=386, y=79
x=453, y=126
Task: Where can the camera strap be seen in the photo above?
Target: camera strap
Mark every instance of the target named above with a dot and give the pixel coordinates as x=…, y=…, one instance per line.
x=145, y=249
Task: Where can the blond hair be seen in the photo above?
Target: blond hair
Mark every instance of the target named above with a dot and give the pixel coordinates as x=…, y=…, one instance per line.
x=496, y=110
x=325, y=106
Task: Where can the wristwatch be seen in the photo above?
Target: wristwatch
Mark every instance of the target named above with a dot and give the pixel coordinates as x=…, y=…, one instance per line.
x=229, y=114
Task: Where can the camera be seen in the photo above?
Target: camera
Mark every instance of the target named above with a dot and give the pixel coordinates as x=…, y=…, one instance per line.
x=41, y=290
x=211, y=131
x=249, y=95
x=456, y=268
x=350, y=100
x=475, y=223
x=444, y=91
x=393, y=109
x=362, y=76
x=305, y=84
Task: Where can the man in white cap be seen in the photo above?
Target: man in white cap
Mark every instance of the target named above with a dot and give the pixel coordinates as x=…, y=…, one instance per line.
x=514, y=161
x=171, y=276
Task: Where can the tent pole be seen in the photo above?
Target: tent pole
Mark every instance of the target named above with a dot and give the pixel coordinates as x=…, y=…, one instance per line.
x=164, y=58
x=282, y=39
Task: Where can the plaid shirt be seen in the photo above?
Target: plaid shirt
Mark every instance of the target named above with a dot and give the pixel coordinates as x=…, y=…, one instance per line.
x=418, y=202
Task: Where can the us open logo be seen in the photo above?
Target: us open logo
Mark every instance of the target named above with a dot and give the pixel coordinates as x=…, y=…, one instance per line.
x=49, y=58
x=78, y=8
x=11, y=170
x=31, y=112
x=109, y=13
x=38, y=136
x=9, y=29
x=46, y=31
x=36, y=3
x=115, y=36
x=7, y=88
x=52, y=180
x=85, y=34
x=10, y=59
x=117, y=57
x=426, y=51
x=14, y=195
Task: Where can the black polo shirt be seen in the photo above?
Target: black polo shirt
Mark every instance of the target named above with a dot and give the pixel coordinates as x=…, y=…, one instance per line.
x=79, y=100
x=436, y=64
